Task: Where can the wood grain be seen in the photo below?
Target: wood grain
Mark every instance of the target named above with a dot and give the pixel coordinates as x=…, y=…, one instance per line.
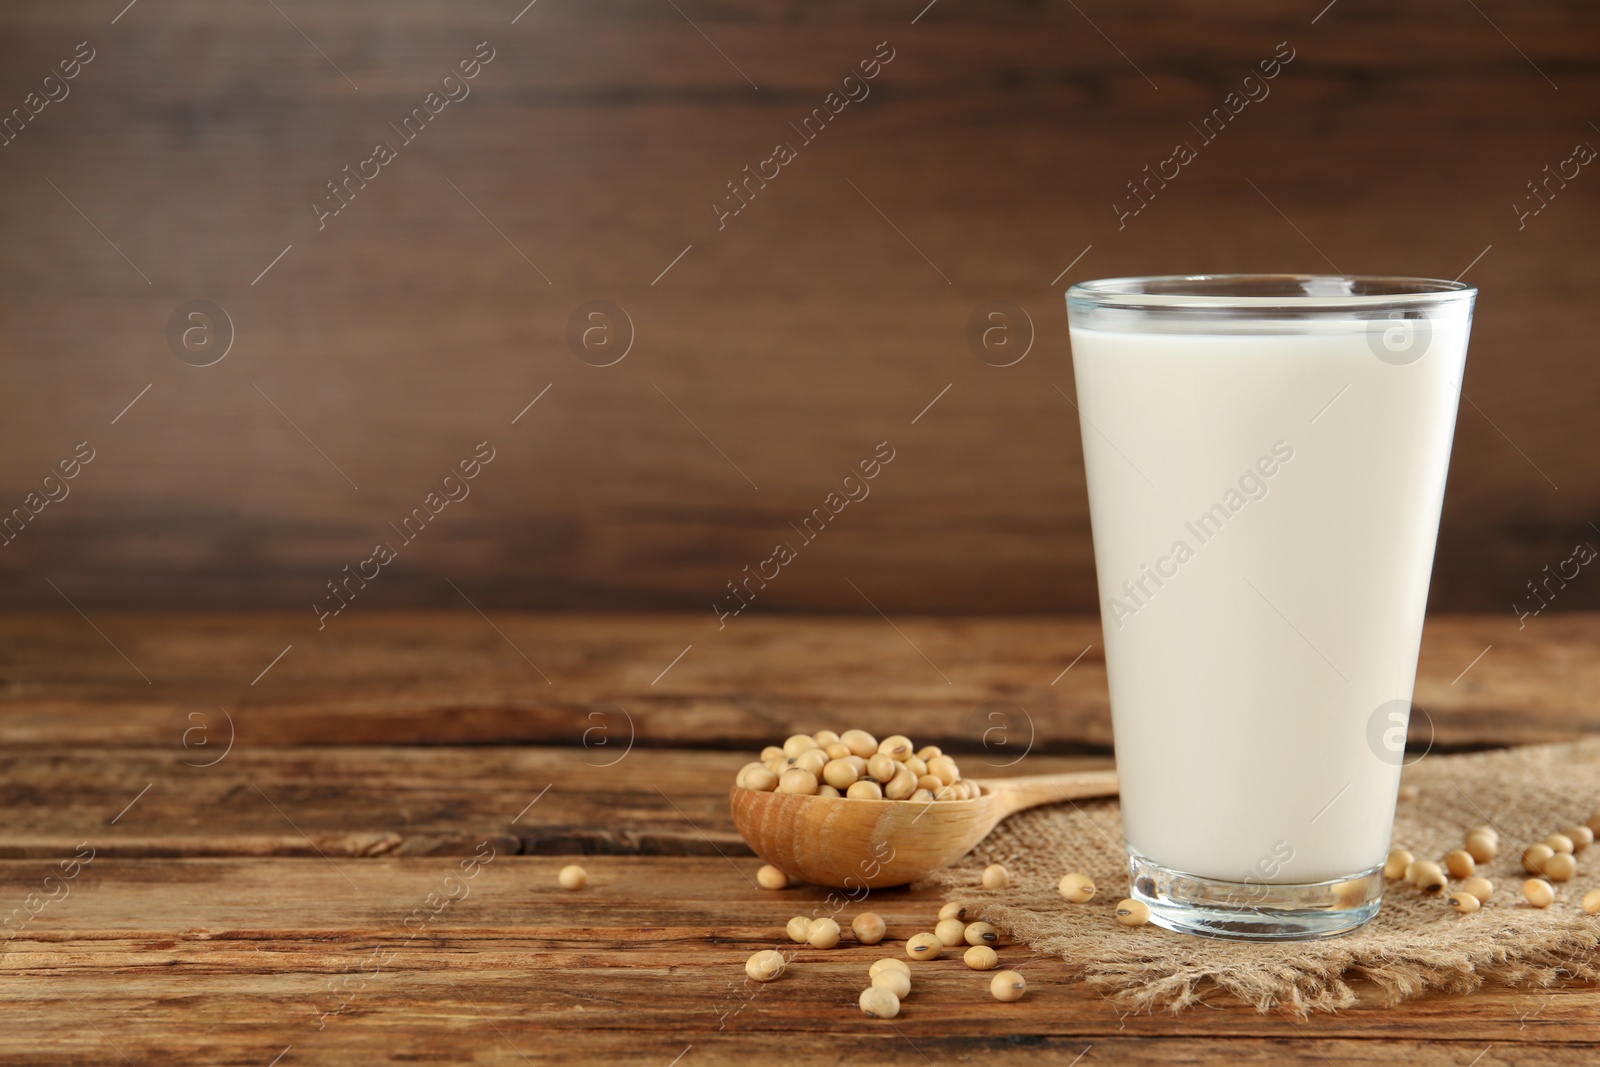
x=456, y=678
x=795, y=339
x=227, y=961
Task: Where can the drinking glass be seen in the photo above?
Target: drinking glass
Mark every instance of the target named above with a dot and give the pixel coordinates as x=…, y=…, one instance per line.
x=1266, y=459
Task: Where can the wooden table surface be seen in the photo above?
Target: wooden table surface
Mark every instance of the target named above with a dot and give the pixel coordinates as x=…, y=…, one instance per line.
x=347, y=854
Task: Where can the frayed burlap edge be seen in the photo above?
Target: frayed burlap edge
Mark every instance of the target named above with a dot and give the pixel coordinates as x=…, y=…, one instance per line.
x=1416, y=944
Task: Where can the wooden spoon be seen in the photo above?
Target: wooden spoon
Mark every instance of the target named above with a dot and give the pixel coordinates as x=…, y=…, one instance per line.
x=850, y=844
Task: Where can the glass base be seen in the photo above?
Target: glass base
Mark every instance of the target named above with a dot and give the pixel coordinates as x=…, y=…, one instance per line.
x=1255, y=911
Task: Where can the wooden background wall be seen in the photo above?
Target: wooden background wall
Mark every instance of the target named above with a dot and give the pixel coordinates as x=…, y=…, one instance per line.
x=376, y=352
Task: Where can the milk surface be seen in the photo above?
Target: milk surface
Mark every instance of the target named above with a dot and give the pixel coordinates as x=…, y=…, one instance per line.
x=1264, y=509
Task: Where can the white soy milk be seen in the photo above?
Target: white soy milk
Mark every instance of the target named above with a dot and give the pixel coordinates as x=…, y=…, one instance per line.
x=1264, y=509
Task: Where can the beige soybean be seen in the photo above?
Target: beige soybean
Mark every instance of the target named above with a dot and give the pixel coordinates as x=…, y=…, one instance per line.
x=1534, y=857
x=1430, y=877
x=921, y=796
x=944, y=768
x=953, y=910
x=573, y=877
x=824, y=933
x=1464, y=903
x=1560, y=867
x=1395, y=866
x=799, y=929
x=772, y=752
x=879, y=1003
x=896, y=982
x=888, y=963
x=924, y=946
x=1560, y=843
x=797, y=744
x=1582, y=837
x=882, y=767
x=824, y=738
x=981, y=934
x=1482, y=847
x=759, y=779
x=838, y=750
x=841, y=774
x=896, y=747
x=984, y=958
x=1132, y=912
x=868, y=928
x=798, y=781
x=1591, y=902
x=916, y=766
x=1540, y=893
x=865, y=790
x=812, y=760
x=828, y=791
x=1078, y=888
x=950, y=932
x=764, y=966
x=929, y=782
x=769, y=877
x=927, y=752
x=1008, y=986
x=859, y=742
x=1460, y=863
x=996, y=877
x=901, y=786
x=1479, y=887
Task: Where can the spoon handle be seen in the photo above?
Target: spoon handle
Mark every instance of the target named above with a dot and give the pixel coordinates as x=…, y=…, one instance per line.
x=1028, y=791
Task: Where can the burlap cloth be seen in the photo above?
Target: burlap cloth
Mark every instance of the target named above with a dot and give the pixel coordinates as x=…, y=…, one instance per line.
x=1415, y=944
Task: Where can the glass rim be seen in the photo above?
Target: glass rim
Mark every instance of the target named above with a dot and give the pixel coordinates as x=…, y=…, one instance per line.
x=1288, y=291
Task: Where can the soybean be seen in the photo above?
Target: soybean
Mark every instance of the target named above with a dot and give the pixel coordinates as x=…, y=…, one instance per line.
x=1560, y=867
x=1427, y=876
x=1078, y=888
x=866, y=789
x=1460, y=863
x=879, y=1003
x=984, y=958
x=924, y=947
x=996, y=877
x=1560, y=843
x=868, y=927
x=1008, y=986
x=1479, y=887
x=824, y=933
x=859, y=742
x=1394, y=867
x=1591, y=902
x=950, y=932
x=1133, y=912
x=1540, y=893
x=888, y=963
x=896, y=747
x=1482, y=847
x=896, y=982
x=953, y=910
x=981, y=934
x=573, y=877
x=1464, y=903
x=799, y=781
x=1582, y=837
x=764, y=966
x=1534, y=857
x=769, y=877
x=799, y=929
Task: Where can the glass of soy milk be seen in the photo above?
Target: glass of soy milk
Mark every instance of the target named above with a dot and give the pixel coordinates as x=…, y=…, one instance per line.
x=1266, y=459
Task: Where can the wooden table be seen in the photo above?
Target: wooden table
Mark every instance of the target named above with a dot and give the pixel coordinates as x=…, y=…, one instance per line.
x=367, y=874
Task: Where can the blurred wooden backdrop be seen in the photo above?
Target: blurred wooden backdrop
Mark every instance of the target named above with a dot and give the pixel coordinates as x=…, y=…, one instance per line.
x=777, y=352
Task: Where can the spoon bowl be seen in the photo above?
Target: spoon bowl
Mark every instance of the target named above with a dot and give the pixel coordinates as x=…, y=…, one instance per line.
x=854, y=844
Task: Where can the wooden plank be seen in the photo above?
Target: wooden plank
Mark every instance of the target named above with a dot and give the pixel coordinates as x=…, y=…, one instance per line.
x=797, y=337
x=196, y=955
x=373, y=801
x=451, y=678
